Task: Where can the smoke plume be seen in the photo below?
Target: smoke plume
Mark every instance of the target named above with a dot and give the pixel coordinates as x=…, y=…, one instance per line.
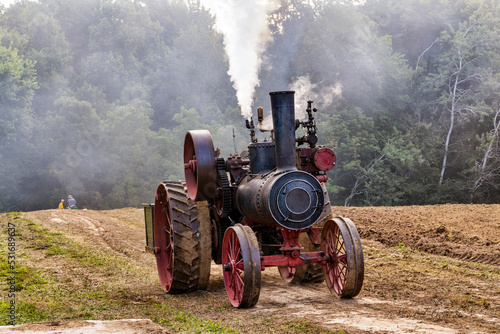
x=305, y=90
x=246, y=32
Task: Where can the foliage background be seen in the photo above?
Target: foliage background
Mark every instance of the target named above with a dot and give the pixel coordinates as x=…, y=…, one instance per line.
x=96, y=96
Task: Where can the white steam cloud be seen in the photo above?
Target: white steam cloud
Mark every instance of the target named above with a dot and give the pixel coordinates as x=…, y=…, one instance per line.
x=305, y=90
x=245, y=27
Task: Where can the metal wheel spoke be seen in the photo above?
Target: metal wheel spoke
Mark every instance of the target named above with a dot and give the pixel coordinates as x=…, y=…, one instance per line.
x=167, y=214
x=331, y=242
x=337, y=282
x=240, y=260
x=331, y=247
x=230, y=248
x=335, y=246
x=233, y=282
x=344, y=266
x=240, y=280
x=239, y=293
x=236, y=248
x=340, y=245
x=331, y=273
x=343, y=273
x=233, y=252
x=236, y=285
x=240, y=265
x=167, y=232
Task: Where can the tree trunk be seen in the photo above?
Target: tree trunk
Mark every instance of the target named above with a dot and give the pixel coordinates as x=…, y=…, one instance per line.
x=450, y=130
x=487, y=154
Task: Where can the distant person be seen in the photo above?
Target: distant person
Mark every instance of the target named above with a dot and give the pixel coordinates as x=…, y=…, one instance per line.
x=71, y=202
x=61, y=205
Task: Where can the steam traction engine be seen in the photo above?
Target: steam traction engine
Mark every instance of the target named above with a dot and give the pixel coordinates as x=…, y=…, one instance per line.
x=251, y=211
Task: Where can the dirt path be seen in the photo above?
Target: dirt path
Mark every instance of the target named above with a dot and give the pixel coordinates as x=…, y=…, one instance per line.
x=428, y=269
x=126, y=326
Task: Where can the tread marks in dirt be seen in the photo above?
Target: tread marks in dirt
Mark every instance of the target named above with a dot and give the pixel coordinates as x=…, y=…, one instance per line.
x=426, y=231
x=473, y=252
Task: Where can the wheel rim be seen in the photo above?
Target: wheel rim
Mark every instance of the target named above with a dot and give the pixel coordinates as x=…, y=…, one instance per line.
x=336, y=265
x=287, y=273
x=358, y=256
x=163, y=238
x=199, y=165
x=344, y=264
x=241, y=266
x=232, y=256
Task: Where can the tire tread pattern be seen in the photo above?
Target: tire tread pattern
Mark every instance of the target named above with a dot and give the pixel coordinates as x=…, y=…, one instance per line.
x=190, y=271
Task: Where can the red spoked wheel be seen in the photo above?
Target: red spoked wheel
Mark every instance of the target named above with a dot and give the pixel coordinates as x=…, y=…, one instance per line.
x=200, y=165
x=344, y=267
x=241, y=266
x=163, y=236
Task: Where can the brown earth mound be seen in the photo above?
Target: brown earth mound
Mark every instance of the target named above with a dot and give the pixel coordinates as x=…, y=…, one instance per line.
x=465, y=232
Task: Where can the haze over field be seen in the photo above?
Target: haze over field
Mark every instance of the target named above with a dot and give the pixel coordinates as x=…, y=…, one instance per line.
x=96, y=96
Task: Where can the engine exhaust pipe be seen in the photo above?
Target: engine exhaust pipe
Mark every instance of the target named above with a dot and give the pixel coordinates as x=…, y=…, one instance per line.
x=283, y=112
x=287, y=197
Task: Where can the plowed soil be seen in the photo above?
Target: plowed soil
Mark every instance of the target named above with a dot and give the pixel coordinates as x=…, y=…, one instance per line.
x=428, y=269
x=465, y=232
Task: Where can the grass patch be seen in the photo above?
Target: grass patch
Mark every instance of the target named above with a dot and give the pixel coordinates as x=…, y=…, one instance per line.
x=469, y=302
x=303, y=326
x=402, y=247
x=181, y=321
x=56, y=244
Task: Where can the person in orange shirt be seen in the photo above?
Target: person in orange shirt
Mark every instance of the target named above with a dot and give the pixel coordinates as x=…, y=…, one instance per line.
x=61, y=205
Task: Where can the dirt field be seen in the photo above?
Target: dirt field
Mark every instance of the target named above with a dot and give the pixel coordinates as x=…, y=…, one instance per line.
x=428, y=269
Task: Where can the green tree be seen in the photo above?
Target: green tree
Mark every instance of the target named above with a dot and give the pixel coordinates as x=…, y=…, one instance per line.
x=351, y=136
x=487, y=168
x=341, y=46
x=195, y=75
x=44, y=44
x=390, y=178
x=74, y=135
x=120, y=41
x=127, y=177
x=17, y=86
x=458, y=81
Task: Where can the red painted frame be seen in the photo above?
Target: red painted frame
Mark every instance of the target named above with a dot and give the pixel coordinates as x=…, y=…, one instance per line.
x=292, y=257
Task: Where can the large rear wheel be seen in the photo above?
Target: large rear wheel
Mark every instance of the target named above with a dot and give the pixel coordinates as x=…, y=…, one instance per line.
x=183, y=239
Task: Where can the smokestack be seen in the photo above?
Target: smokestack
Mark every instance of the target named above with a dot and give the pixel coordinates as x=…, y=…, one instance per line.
x=283, y=111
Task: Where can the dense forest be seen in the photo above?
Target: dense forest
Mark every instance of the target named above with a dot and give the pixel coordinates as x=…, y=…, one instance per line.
x=96, y=96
